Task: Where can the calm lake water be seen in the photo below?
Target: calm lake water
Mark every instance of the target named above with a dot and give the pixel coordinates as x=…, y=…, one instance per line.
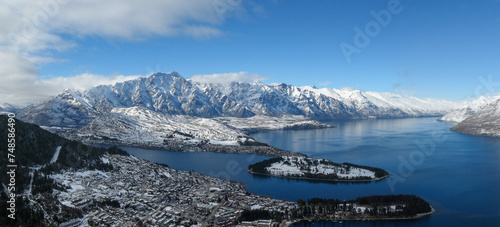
x=459, y=175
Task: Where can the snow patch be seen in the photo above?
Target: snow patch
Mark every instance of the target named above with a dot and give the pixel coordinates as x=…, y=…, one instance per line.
x=56, y=155
x=105, y=160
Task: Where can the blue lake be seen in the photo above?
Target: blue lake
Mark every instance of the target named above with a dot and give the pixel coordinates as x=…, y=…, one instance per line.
x=459, y=175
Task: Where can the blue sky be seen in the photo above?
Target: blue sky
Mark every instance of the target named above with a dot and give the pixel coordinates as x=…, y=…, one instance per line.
x=441, y=49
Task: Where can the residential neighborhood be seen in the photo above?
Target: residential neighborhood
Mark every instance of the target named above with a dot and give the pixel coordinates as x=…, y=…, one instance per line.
x=138, y=191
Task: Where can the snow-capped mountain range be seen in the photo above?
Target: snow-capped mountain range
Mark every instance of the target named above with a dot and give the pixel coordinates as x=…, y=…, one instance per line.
x=469, y=109
x=167, y=105
x=171, y=94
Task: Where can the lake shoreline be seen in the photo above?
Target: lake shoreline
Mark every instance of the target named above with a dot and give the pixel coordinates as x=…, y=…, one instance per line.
x=334, y=220
x=321, y=180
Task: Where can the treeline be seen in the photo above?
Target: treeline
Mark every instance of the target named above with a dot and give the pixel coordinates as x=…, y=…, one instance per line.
x=412, y=204
x=33, y=146
x=333, y=176
x=25, y=214
x=379, y=173
x=36, y=147
x=250, y=142
x=44, y=184
x=75, y=155
x=260, y=214
x=378, y=206
x=108, y=202
x=252, y=215
x=260, y=167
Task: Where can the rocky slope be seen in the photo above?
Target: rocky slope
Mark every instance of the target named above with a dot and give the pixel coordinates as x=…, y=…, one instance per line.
x=468, y=109
x=486, y=122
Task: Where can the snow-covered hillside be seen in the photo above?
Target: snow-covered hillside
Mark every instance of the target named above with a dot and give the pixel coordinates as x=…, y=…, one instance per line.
x=486, y=122
x=265, y=123
x=383, y=104
x=468, y=109
x=140, y=127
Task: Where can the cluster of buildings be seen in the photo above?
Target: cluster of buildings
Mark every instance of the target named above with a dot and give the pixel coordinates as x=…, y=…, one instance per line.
x=138, y=191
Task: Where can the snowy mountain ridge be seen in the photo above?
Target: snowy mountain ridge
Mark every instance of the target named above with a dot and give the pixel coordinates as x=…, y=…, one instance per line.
x=486, y=122
x=166, y=110
x=469, y=109
x=171, y=94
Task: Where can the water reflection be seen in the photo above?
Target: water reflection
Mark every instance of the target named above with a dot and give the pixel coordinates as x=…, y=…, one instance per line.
x=347, y=135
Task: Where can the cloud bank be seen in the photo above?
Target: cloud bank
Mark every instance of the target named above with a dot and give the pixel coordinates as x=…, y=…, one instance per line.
x=33, y=30
x=26, y=88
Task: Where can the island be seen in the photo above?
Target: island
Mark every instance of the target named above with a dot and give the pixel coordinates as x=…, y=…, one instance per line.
x=304, y=167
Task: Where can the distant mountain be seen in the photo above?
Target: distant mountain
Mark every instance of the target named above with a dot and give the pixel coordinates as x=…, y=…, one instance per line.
x=6, y=107
x=486, y=122
x=468, y=109
x=171, y=94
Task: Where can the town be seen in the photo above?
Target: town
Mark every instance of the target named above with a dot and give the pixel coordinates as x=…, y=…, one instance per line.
x=138, y=191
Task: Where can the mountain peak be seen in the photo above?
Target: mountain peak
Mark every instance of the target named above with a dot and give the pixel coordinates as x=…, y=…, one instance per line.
x=469, y=109
x=170, y=74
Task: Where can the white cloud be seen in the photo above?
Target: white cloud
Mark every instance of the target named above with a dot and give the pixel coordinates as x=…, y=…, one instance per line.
x=324, y=83
x=348, y=89
x=405, y=92
x=32, y=30
x=84, y=81
x=225, y=78
x=40, y=25
x=131, y=19
x=21, y=86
